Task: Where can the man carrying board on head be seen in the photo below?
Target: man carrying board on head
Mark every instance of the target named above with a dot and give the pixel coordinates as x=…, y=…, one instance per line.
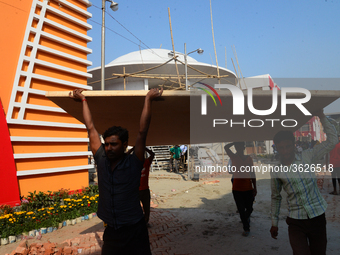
x=118, y=180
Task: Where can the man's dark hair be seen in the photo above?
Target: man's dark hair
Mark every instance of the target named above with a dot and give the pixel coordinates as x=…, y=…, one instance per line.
x=122, y=133
x=284, y=135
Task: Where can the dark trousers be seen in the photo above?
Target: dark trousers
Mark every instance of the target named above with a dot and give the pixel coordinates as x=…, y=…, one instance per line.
x=127, y=240
x=308, y=237
x=174, y=161
x=336, y=175
x=244, y=202
x=144, y=197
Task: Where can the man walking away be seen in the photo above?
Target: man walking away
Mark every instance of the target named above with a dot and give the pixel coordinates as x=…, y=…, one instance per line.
x=244, y=183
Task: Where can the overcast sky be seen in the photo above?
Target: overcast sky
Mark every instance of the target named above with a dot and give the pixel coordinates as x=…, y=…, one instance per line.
x=283, y=38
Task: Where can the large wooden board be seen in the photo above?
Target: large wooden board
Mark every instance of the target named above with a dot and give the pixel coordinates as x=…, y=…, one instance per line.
x=176, y=118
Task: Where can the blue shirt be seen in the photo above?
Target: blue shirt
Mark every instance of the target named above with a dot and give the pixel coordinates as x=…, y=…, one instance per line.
x=119, y=203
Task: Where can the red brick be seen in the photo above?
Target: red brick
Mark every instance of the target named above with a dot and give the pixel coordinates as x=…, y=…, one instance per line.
x=23, y=243
x=67, y=250
x=33, y=249
x=49, y=248
x=75, y=241
x=33, y=245
x=62, y=245
x=100, y=234
x=87, y=251
x=163, y=242
x=98, y=247
x=84, y=245
x=157, y=250
x=84, y=239
x=74, y=251
x=57, y=251
x=21, y=251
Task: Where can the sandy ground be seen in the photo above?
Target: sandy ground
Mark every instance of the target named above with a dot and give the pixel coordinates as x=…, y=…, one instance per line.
x=208, y=212
x=214, y=227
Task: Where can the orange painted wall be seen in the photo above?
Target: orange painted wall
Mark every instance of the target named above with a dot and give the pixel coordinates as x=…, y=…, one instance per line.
x=14, y=17
x=47, y=147
x=17, y=130
x=52, y=182
x=42, y=163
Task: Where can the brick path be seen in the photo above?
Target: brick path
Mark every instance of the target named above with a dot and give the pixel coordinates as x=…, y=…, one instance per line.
x=164, y=231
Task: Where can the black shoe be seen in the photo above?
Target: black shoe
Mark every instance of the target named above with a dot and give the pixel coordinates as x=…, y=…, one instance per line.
x=246, y=233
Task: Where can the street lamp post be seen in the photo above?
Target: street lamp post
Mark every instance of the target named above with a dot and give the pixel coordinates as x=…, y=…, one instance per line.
x=199, y=51
x=114, y=7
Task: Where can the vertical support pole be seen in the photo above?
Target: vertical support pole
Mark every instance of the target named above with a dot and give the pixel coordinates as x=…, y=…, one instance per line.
x=146, y=84
x=124, y=77
x=189, y=163
x=103, y=47
x=186, y=66
x=173, y=49
x=212, y=30
x=222, y=154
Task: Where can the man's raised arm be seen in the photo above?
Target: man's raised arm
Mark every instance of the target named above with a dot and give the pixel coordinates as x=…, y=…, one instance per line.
x=145, y=122
x=152, y=154
x=95, y=142
x=330, y=129
x=227, y=148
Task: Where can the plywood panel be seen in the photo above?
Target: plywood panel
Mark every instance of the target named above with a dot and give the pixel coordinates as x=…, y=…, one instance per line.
x=177, y=119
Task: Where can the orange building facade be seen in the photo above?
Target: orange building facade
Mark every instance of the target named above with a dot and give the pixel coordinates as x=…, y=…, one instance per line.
x=44, y=48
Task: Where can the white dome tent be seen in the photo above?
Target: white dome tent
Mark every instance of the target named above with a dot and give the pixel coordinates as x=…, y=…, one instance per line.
x=140, y=70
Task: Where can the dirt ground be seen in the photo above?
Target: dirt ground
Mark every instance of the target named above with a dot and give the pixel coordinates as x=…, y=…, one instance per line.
x=207, y=212
x=214, y=226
